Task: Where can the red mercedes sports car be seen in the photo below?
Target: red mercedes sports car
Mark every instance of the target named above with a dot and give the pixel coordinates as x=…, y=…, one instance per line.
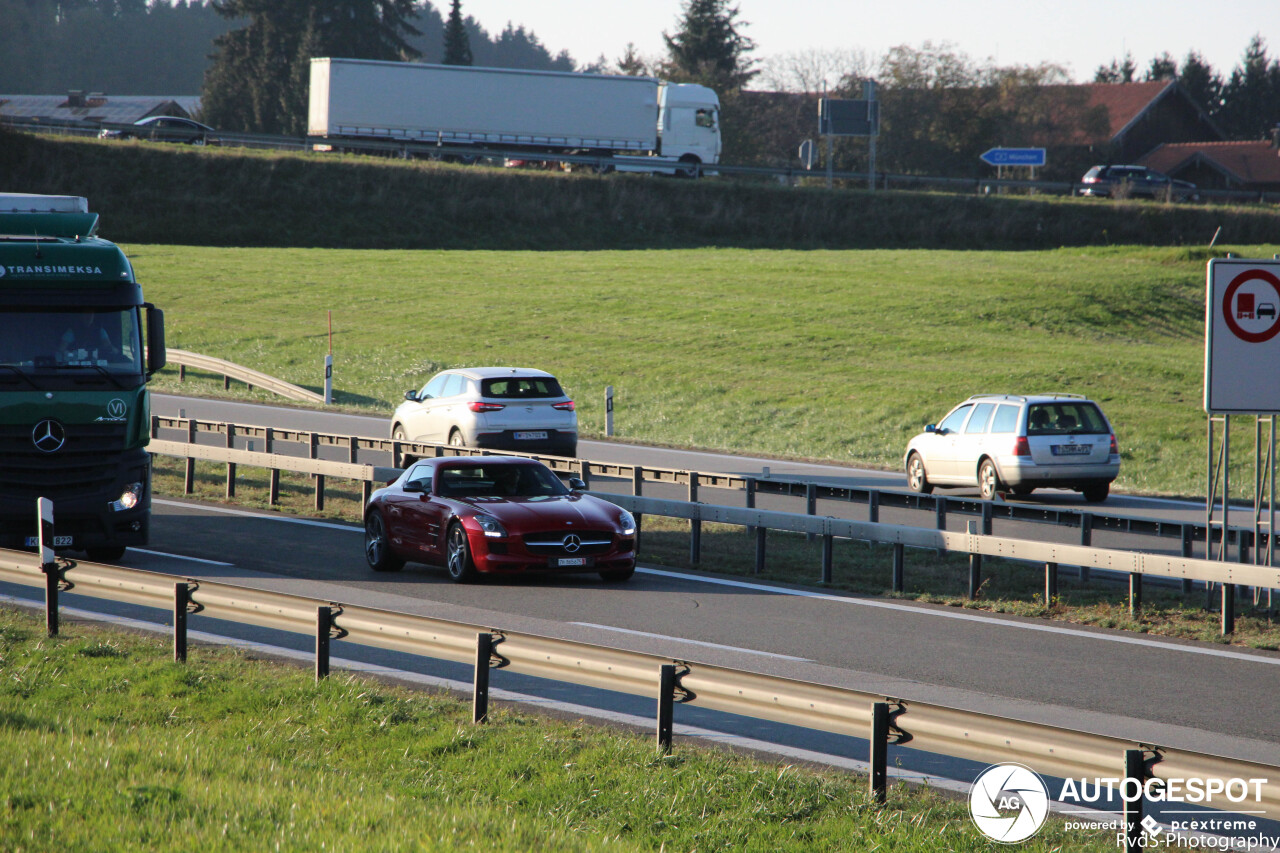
x=483, y=514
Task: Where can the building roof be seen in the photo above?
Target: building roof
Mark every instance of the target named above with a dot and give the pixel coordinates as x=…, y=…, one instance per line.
x=95, y=107
x=1255, y=162
x=1120, y=105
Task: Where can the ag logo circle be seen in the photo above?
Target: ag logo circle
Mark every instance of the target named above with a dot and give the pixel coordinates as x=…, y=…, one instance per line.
x=1009, y=802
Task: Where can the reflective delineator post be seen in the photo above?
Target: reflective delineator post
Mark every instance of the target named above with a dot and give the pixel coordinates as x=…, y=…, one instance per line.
x=608, y=410
x=48, y=563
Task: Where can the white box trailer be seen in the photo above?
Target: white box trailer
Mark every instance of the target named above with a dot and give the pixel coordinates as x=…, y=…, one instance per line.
x=512, y=110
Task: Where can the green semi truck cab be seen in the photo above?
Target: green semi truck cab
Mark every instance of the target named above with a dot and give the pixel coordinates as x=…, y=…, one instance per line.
x=77, y=346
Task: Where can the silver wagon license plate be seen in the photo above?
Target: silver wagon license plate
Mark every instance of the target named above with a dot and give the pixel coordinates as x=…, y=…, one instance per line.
x=1072, y=449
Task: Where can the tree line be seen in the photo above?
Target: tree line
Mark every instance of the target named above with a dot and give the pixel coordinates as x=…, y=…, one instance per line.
x=940, y=108
x=164, y=47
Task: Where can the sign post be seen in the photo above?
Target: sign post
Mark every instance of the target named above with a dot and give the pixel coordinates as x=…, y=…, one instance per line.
x=1241, y=377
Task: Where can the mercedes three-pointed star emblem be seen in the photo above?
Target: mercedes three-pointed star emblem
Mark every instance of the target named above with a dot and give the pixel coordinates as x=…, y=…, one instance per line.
x=48, y=436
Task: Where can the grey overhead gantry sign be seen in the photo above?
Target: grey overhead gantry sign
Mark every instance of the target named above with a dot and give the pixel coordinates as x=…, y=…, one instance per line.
x=843, y=117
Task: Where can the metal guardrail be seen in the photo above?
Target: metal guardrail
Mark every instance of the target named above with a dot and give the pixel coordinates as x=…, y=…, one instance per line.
x=229, y=371
x=413, y=148
x=923, y=726
x=976, y=541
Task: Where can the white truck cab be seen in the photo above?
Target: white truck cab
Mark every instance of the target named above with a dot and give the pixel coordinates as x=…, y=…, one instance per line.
x=689, y=122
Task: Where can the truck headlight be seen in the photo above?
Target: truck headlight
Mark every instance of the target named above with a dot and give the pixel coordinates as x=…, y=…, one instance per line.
x=129, y=498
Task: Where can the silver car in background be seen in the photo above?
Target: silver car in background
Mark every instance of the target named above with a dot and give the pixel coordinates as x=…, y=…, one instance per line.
x=497, y=408
x=1017, y=443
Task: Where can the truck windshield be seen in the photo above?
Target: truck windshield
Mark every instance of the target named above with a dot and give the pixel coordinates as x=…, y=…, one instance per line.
x=43, y=342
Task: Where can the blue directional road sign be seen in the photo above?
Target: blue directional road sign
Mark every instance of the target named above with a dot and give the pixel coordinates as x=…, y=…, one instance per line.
x=1014, y=157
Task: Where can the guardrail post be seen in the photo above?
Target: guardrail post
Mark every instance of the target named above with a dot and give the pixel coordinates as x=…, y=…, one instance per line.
x=873, y=507
x=826, y=557
x=1135, y=593
x=353, y=449
x=810, y=503
x=666, y=706
x=319, y=492
x=181, y=601
x=1135, y=770
x=760, y=536
x=1228, y=609
x=155, y=426
x=751, y=501
x=1050, y=583
x=480, y=685
x=975, y=568
x=637, y=480
x=879, y=758
x=1187, y=532
x=986, y=518
x=899, y=552
x=584, y=471
x=940, y=514
x=695, y=524
x=324, y=626
x=231, y=466
x=189, y=478
x=397, y=454
x=1086, y=539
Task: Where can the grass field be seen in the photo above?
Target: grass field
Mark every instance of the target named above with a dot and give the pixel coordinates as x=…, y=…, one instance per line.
x=109, y=745
x=833, y=355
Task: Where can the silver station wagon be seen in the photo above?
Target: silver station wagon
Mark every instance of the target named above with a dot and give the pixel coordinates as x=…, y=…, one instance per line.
x=1011, y=443
x=497, y=408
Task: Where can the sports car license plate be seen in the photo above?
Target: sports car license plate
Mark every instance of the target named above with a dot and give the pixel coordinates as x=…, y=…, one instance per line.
x=564, y=562
x=58, y=541
x=1072, y=449
x=524, y=436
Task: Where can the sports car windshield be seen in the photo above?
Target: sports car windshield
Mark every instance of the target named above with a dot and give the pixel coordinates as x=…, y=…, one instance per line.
x=499, y=481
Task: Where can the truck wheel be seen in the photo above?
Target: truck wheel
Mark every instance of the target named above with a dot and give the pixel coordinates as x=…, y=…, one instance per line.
x=691, y=167
x=110, y=554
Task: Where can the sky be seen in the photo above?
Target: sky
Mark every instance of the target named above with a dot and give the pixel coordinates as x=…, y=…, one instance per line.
x=1077, y=34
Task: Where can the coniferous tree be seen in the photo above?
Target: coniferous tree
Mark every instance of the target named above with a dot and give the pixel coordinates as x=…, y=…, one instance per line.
x=1251, y=95
x=1201, y=82
x=254, y=82
x=1162, y=67
x=457, y=45
x=708, y=48
x=1116, y=72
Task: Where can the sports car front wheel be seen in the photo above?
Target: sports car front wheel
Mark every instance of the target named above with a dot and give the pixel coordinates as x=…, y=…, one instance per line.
x=458, y=556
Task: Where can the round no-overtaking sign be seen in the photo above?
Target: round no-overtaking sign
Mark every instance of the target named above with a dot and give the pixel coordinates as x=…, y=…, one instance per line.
x=1242, y=347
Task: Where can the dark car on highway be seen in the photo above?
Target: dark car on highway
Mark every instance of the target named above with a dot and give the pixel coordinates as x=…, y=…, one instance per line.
x=166, y=129
x=496, y=515
x=1135, y=182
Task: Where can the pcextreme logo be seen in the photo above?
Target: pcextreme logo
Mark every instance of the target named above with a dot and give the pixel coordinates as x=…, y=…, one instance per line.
x=1009, y=802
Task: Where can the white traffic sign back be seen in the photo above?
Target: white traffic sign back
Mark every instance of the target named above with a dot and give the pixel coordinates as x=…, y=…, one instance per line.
x=1242, y=337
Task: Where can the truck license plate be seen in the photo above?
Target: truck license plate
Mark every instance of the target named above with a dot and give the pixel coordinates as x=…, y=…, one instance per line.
x=522, y=436
x=58, y=541
x=1072, y=449
x=571, y=561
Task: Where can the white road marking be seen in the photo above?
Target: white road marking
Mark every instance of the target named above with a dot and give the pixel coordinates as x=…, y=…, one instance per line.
x=966, y=617
x=692, y=642
x=181, y=557
x=840, y=599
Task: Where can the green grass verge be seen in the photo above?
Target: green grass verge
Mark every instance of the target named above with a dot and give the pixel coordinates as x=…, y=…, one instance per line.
x=109, y=745
x=833, y=355
x=1007, y=587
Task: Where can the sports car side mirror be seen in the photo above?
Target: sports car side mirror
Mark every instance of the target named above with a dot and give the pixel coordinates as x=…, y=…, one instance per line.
x=415, y=486
x=576, y=485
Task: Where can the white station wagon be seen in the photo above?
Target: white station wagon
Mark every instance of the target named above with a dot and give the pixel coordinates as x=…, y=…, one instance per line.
x=498, y=408
x=1017, y=443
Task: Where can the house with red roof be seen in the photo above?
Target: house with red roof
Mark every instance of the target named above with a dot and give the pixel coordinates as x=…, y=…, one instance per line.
x=1253, y=165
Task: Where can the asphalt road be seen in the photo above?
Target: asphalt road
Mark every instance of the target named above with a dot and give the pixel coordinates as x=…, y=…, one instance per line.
x=1203, y=697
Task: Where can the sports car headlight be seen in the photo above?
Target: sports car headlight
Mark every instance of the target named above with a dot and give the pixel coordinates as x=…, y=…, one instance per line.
x=628, y=523
x=128, y=498
x=491, y=527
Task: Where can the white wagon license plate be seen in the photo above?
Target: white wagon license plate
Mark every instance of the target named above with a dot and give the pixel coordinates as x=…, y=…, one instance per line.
x=571, y=561
x=524, y=436
x=58, y=541
x=1072, y=449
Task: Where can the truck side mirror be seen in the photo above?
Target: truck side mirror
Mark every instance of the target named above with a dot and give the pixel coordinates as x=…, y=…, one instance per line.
x=156, y=356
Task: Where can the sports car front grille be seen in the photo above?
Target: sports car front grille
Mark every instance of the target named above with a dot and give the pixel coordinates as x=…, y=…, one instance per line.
x=561, y=543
